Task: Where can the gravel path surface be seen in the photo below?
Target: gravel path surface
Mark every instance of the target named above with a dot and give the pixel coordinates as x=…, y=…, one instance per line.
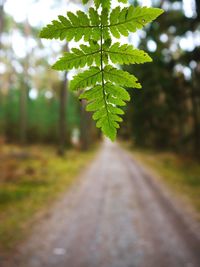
x=117, y=216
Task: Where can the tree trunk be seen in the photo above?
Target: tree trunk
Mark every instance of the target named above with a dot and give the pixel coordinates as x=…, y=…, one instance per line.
x=2, y=2
x=62, y=113
x=198, y=9
x=195, y=113
x=24, y=91
x=23, y=114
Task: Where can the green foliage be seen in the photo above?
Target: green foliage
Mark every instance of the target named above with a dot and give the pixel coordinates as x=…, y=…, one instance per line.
x=103, y=84
x=33, y=181
x=42, y=115
x=72, y=27
x=131, y=19
x=120, y=77
x=85, y=79
x=101, y=100
x=126, y=54
x=86, y=55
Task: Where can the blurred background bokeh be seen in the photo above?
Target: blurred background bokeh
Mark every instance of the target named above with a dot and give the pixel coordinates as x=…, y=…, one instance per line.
x=40, y=118
x=34, y=107
x=165, y=115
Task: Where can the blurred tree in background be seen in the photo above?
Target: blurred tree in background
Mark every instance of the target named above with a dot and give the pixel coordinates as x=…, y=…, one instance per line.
x=35, y=105
x=166, y=113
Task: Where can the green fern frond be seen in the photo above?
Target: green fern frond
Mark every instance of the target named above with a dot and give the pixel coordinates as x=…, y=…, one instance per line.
x=85, y=1
x=130, y=19
x=123, y=1
x=86, y=55
x=120, y=77
x=106, y=4
x=126, y=54
x=97, y=3
x=94, y=16
x=102, y=84
x=71, y=27
x=85, y=79
x=104, y=22
x=104, y=101
x=103, y=3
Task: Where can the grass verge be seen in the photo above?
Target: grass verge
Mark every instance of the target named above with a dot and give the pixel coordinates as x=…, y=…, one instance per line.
x=181, y=174
x=29, y=182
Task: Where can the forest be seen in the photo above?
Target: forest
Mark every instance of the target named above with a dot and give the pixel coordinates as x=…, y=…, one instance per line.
x=47, y=138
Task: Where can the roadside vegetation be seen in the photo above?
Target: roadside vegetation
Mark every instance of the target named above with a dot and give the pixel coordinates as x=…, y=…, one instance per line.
x=29, y=182
x=181, y=174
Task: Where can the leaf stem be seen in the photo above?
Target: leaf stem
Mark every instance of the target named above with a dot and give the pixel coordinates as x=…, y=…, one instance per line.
x=102, y=72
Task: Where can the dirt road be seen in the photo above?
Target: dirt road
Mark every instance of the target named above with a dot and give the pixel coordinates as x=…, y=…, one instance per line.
x=117, y=216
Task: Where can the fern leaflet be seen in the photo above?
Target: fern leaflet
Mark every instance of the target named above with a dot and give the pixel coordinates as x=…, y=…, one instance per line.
x=71, y=27
x=126, y=54
x=130, y=19
x=86, y=55
x=85, y=79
